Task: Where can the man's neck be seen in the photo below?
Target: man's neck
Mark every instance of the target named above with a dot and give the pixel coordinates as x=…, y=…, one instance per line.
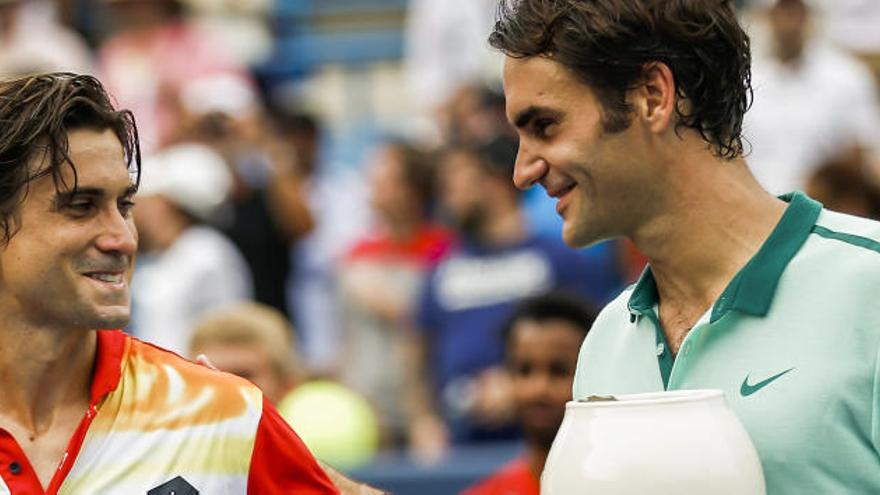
x=716, y=222
x=43, y=371
x=535, y=457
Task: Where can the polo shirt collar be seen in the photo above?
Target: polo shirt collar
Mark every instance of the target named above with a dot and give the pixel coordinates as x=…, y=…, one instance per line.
x=111, y=347
x=752, y=289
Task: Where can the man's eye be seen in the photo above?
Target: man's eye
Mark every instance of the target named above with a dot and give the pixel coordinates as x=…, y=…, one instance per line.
x=80, y=206
x=522, y=369
x=125, y=207
x=542, y=126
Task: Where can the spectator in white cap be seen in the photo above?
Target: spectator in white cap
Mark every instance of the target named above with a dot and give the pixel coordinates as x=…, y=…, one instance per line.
x=186, y=267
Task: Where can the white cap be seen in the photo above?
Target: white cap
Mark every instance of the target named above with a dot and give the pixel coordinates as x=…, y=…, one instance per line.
x=225, y=93
x=192, y=176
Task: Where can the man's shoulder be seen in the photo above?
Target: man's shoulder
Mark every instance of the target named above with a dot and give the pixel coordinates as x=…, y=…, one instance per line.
x=842, y=247
x=850, y=232
x=147, y=354
x=616, y=311
x=163, y=380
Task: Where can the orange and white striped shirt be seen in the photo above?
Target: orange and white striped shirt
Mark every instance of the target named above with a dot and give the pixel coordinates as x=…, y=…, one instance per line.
x=158, y=424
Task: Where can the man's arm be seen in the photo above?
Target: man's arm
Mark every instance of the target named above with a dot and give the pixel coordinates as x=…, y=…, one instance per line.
x=281, y=463
x=428, y=436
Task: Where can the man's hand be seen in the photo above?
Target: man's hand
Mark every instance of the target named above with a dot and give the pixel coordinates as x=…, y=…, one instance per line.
x=346, y=486
x=493, y=398
x=428, y=439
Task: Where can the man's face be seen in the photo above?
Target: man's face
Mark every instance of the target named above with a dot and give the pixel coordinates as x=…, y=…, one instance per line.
x=596, y=176
x=69, y=265
x=542, y=358
x=789, y=27
x=463, y=190
x=390, y=195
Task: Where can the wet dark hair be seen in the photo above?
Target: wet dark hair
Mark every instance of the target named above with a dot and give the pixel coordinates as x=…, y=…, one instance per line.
x=553, y=305
x=608, y=44
x=36, y=114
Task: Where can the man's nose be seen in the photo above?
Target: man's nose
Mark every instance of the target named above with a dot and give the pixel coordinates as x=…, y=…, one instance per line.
x=535, y=385
x=118, y=235
x=529, y=168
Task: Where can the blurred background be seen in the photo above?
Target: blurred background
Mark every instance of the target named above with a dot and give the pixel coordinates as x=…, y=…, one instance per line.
x=327, y=210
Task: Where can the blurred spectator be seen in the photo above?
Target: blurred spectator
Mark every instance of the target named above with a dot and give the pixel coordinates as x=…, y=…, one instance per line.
x=842, y=186
x=813, y=103
x=853, y=24
x=446, y=48
x=253, y=341
x=470, y=293
x=337, y=201
x=541, y=342
x=381, y=276
x=268, y=210
x=474, y=114
x=153, y=55
x=243, y=25
x=32, y=40
x=187, y=267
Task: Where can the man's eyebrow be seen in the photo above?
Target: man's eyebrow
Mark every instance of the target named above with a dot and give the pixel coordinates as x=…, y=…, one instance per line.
x=523, y=118
x=64, y=197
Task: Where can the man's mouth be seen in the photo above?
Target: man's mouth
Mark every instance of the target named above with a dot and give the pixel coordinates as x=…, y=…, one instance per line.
x=115, y=278
x=562, y=191
x=560, y=194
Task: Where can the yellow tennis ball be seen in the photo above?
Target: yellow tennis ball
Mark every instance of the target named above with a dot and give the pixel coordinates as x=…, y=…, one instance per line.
x=336, y=424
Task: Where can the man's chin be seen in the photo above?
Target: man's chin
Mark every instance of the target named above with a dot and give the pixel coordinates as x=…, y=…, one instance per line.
x=112, y=318
x=540, y=437
x=581, y=236
x=575, y=238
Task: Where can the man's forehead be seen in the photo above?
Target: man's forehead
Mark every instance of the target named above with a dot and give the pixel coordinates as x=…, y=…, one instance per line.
x=536, y=81
x=96, y=163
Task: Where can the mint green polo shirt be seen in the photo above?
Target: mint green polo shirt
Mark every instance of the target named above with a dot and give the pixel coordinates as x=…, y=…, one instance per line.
x=793, y=342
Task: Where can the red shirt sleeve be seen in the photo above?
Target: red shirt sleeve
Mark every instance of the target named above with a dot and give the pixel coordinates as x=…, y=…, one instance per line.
x=281, y=463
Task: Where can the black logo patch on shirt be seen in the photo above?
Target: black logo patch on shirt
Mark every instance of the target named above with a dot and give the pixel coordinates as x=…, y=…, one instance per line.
x=176, y=486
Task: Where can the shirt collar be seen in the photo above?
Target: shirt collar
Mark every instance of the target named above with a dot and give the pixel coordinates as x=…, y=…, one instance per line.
x=751, y=290
x=111, y=347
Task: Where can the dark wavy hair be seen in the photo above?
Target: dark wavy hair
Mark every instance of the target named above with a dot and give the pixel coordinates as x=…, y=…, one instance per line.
x=36, y=114
x=608, y=44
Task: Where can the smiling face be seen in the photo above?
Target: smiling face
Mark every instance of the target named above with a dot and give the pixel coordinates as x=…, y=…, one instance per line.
x=598, y=177
x=69, y=264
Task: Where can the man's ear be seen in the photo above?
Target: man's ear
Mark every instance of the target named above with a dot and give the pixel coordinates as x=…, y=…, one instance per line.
x=655, y=98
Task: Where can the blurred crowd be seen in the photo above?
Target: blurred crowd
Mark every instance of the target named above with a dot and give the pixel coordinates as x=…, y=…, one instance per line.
x=385, y=286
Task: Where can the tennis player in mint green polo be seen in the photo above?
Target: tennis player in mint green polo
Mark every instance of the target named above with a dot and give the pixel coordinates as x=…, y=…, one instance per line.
x=630, y=114
x=793, y=341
